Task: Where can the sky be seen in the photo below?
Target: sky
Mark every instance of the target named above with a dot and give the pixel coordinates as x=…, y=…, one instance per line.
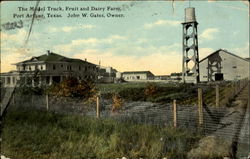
x=147, y=37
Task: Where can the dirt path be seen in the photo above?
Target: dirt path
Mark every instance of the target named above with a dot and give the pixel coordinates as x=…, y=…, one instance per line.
x=234, y=127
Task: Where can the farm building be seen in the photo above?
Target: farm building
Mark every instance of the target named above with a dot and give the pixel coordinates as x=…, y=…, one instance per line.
x=47, y=69
x=162, y=77
x=106, y=74
x=223, y=65
x=137, y=75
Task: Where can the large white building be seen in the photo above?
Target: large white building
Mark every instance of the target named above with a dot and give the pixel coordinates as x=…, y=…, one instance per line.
x=47, y=69
x=223, y=65
x=137, y=75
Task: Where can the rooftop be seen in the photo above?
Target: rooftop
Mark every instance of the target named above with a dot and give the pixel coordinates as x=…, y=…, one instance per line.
x=137, y=72
x=52, y=57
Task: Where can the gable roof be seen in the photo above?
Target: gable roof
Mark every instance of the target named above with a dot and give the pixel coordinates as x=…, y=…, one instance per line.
x=225, y=51
x=53, y=57
x=137, y=72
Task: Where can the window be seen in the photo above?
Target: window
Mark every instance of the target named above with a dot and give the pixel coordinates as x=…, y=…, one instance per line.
x=234, y=66
x=61, y=65
x=54, y=67
x=47, y=79
x=79, y=67
x=41, y=67
x=8, y=80
x=3, y=80
x=69, y=67
x=13, y=80
x=29, y=68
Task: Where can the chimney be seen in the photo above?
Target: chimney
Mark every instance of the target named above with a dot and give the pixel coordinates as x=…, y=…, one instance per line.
x=85, y=59
x=48, y=52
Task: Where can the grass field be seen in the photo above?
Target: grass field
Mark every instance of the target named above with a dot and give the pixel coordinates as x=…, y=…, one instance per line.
x=34, y=134
x=153, y=92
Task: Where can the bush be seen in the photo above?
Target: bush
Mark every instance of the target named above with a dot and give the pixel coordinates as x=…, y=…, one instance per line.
x=151, y=90
x=72, y=87
x=117, y=102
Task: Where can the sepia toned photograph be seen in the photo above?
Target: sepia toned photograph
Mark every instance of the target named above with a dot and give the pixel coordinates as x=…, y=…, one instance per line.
x=125, y=79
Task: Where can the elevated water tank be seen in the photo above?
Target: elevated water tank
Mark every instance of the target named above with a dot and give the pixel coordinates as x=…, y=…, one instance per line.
x=190, y=15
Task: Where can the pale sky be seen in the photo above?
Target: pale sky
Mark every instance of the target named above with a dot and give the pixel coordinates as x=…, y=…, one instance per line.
x=148, y=37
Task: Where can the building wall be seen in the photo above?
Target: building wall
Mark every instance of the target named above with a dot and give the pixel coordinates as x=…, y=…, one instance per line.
x=50, y=72
x=232, y=67
x=136, y=76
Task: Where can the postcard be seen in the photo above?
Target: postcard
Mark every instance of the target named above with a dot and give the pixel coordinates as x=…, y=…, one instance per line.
x=125, y=79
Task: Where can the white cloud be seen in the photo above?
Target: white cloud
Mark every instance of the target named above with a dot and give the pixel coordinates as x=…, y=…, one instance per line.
x=68, y=29
x=88, y=43
x=14, y=49
x=241, y=51
x=159, y=60
x=211, y=1
x=204, y=52
x=209, y=34
x=12, y=56
x=162, y=23
x=17, y=38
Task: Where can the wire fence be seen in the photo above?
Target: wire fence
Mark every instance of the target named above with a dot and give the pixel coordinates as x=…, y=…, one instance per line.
x=219, y=117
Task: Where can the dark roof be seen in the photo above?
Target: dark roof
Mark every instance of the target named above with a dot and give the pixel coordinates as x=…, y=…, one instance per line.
x=53, y=57
x=140, y=72
x=162, y=75
x=176, y=74
x=225, y=52
x=180, y=74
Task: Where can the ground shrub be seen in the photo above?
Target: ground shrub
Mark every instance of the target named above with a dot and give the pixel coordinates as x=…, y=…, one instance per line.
x=72, y=87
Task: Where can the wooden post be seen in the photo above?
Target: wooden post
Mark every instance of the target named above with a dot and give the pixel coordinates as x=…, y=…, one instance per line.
x=217, y=100
x=47, y=102
x=98, y=106
x=13, y=98
x=232, y=89
x=175, y=113
x=200, y=106
x=32, y=100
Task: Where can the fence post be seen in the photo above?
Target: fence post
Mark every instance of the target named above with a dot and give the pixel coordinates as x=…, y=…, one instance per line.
x=47, y=102
x=32, y=100
x=98, y=106
x=175, y=113
x=217, y=100
x=200, y=106
x=232, y=90
x=13, y=98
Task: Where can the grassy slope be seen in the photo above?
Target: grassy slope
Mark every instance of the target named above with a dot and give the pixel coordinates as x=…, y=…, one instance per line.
x=165, y=92
x=33, y=134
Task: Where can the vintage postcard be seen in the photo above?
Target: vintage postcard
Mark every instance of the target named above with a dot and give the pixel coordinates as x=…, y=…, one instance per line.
x=125, y=79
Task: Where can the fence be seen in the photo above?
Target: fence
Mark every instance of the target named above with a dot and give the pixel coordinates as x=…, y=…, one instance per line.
x=209, y=115
x=170, y=114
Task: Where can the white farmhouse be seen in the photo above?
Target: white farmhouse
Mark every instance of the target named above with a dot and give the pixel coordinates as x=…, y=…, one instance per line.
x=47, y=69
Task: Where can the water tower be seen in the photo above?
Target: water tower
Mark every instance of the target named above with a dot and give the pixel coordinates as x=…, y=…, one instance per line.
x=190, y=61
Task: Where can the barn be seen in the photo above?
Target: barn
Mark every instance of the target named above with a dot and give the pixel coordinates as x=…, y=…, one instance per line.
x=223, y=65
